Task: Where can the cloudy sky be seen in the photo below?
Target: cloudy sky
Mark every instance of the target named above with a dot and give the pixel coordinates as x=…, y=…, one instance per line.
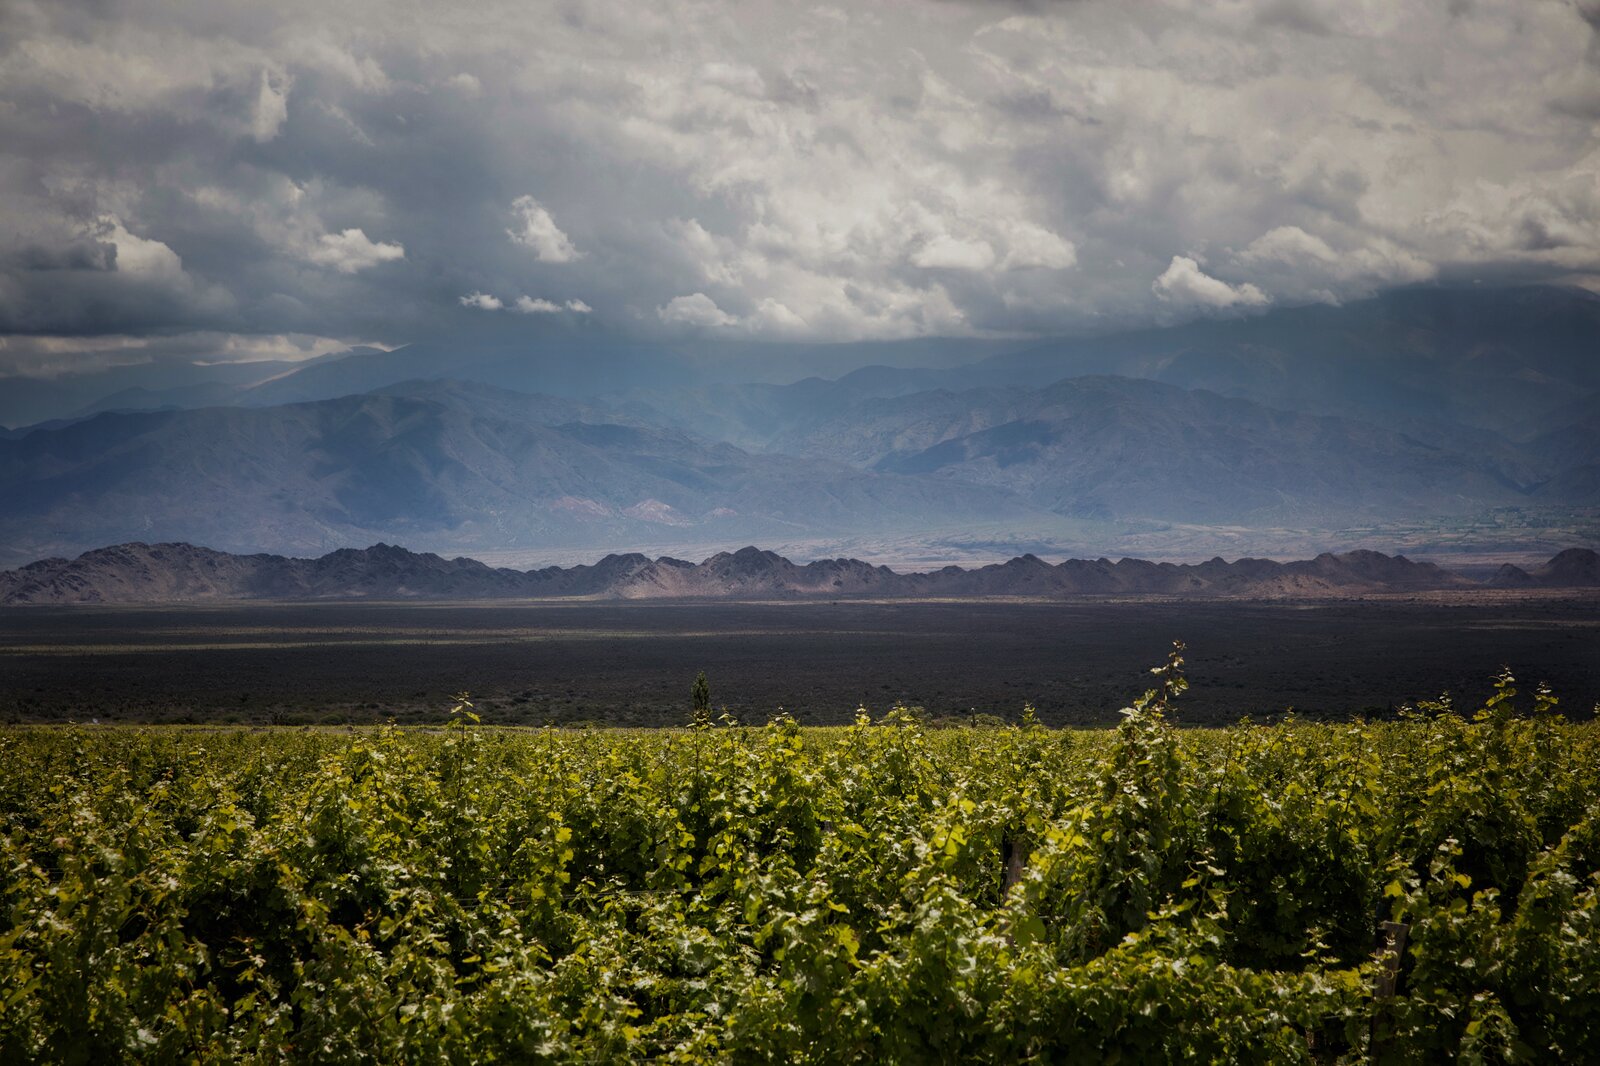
x=231, y=180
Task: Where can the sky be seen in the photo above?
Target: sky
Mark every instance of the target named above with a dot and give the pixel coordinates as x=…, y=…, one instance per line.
x=227, y=180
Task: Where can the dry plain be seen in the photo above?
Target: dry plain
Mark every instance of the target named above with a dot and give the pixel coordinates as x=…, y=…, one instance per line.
x=612, y=663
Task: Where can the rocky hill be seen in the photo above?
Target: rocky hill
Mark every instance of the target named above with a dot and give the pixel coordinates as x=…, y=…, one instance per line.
x=183, y=573
x=1573, y=568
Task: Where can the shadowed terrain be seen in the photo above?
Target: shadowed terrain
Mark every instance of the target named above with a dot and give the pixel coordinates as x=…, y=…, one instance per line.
x=632, y=663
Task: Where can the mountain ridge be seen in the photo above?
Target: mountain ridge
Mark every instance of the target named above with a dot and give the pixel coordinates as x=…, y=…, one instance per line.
x=1227, y=432
x=462, y=467
x=466, y=467
x=1508, y=358
x=136, y=572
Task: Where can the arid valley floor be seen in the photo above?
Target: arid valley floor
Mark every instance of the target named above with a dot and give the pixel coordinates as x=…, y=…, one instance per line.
x=632, y=663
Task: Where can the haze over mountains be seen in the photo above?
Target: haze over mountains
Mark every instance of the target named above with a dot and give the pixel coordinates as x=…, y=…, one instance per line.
x=447, y=463
x=1416, y=405
x=183, y=573
x=1516, y=362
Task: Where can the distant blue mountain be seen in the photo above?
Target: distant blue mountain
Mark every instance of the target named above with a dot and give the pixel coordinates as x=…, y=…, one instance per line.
x=1418, y=405
x=457, y=465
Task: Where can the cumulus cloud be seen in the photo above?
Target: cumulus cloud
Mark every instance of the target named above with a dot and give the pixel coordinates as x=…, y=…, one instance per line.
x=948, y=253
x=537, y=230
x=1290, y=246
x=772, y=316
x=137, y=256
x=1306, y=266
x=1030, y=245
x=352, y=250
x=271, y=111
x=1183, y=282
x=523, y=305
x=834, y=173
x=529, y=305
x=696, y=310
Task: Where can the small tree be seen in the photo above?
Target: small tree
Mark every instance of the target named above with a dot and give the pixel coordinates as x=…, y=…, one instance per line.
x=700, y=695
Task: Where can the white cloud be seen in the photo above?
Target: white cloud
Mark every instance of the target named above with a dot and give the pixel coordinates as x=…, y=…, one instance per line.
x=482, y=301
x=737, y=78
x=465, y=84
x=930, y=170
x=1184, y=282
x=537, y=230
x=1304, y=266
x=529, y=305
x=1030, y=245
x=272, y=109
x=947, y=253
x=352, y=250
x=770, y=316
x=697, y=310
x=140, y=257
x=1289, y=245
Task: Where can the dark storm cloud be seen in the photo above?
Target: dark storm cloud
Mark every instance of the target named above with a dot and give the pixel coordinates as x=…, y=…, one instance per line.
x=310, y=174
x=74, y=254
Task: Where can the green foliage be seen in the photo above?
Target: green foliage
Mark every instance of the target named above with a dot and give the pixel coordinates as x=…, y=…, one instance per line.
x=700, y=702
x=779, y=894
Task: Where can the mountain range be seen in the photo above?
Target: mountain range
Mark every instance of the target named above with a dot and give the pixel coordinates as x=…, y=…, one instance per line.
x=450, y=463
x=184, y=573
x=1416, y=406
x=1444, y=365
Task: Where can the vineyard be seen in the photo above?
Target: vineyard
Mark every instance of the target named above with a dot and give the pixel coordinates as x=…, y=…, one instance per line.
x=886, y=892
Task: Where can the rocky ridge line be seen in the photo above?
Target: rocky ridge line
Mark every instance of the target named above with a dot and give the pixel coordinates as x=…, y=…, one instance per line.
x=184, y=573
